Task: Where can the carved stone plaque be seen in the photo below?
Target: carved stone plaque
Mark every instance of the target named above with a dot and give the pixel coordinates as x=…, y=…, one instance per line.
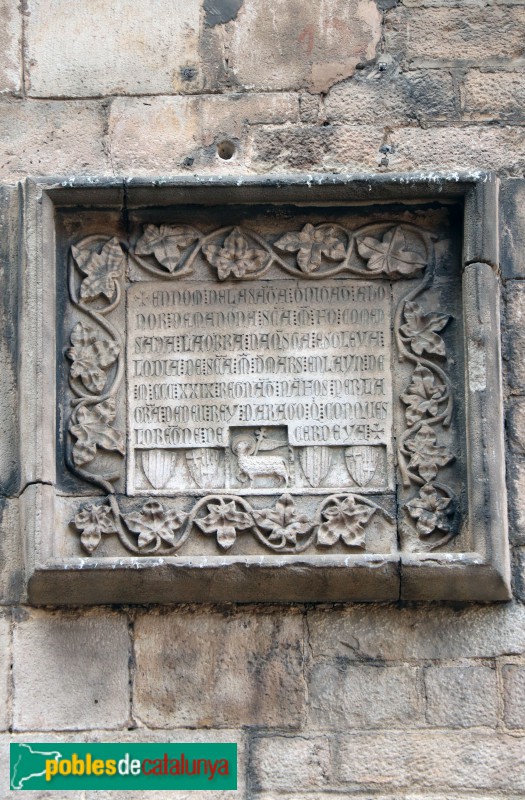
x=268, y=400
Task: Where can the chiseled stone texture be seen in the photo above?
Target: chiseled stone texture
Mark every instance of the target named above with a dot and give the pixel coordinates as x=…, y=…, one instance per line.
x=10, y=47
x=71, y=671
x=516, y=335
x=343, y=695
x=283, y=763
x=492, y=95
x=5, y=671
x=122, y=47
x=283, y=44
x=461, y=33
x=51, y=138
x=438, y=760
x=512, y=228
x=208, y=669
x=514, y=695
x=461, y=697
x=168, y=134
x=409, y=634
x=386, y=98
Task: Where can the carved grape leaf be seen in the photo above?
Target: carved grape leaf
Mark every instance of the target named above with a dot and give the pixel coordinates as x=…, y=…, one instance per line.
x=430, y=510
x=93, y=521
x=166, y=243
x=224, y=520
x=91, y=356
x=427, y=455
x=346, y=520
x=102, y=269
x=283, y=521
x=422, y=329
x=311, y=244
x=423, y=395
x=390, y=255
x=154, y=524
x=93, y=429
x=237, y=256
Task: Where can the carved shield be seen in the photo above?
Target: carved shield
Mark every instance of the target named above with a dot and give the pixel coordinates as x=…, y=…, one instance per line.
x=362, y=462
x=204, y=465
x=158, y=466
x=315, y=463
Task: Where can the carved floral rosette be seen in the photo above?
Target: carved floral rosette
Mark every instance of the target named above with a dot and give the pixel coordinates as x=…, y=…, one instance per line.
x=389, y=251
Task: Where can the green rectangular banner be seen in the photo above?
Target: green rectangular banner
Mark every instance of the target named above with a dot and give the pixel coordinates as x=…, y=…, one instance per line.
x=168, y=766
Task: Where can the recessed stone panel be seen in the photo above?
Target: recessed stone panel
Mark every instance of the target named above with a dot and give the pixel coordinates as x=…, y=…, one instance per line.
x=265, y=397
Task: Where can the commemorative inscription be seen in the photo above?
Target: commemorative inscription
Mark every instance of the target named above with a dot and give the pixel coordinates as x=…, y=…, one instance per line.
x=255, y=389
x=221, y=374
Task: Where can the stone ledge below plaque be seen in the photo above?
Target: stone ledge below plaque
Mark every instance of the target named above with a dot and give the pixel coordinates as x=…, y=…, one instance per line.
x=278, y=390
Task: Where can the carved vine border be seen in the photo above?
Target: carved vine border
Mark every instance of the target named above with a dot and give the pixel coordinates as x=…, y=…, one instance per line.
x=169, y=251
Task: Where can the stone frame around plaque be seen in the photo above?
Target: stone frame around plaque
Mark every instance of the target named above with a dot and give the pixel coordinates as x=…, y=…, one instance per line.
x=308, y=532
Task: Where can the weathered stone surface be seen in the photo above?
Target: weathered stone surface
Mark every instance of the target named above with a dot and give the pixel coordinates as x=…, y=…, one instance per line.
x=81, y=681
x=331, y=147
x=449, y=760
x=358, y=148
x=494, y=95
x=290, y=764
x=461, y=697
x=458, y=148
x=516, y=425
x=288, y=44
x=365, y=632
x=51, y=138
x=343, y=695
x=390, y=98
x=5, y=671
x=9, y=261
x=201, y=681
x=516, y=335
x=12, y=573
x=10, y=47
x=514, y=695
x=124, y=48
x=456, y=34
x=166, y=135
x=512, y=228
x=516, y=490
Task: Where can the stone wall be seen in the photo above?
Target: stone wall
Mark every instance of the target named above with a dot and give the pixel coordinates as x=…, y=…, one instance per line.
x=384, y=702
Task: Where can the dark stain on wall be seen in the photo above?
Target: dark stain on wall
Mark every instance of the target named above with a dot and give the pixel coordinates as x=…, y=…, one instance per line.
x=220, y=11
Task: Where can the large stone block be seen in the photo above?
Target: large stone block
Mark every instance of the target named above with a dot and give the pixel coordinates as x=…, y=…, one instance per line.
x=300, y=764
x=344, y=696
x=458, y=148
x=516, y=488
x=10, y=47
x=70, y=671
x=383, y=98
x=438, y=761
x=461, y=697
x=389, y=633
x=514, y=695
x=494, y=95
x=512, y=228
x=5, y=671
x=287, y=44
x=80, y=50
x=51, y=138
x=207, y=669
x=515, y=335
x=457, y=34
x=166, y=135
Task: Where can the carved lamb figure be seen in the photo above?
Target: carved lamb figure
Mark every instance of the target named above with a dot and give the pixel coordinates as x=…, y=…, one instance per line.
x=252, y=465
